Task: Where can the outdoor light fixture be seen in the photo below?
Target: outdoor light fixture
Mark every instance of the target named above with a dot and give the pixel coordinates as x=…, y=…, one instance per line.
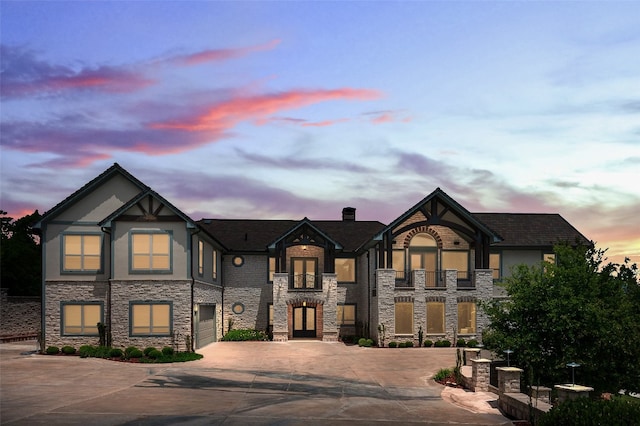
x=508, y=352
x=573, y=367
x=479, y=346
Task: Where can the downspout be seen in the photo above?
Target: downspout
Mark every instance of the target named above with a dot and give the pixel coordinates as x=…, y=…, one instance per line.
x=109, y=276
x=369, y=293
x=43, y=304
x=192, y=313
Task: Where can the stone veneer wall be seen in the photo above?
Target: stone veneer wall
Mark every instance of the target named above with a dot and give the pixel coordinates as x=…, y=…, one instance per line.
x=57, y=292
x=19, y=316
x=451, y=295
x=283, y=297
x=177, y=292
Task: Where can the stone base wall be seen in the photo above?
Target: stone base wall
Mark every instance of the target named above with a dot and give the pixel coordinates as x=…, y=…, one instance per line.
x=521, y=406
x=20, y=317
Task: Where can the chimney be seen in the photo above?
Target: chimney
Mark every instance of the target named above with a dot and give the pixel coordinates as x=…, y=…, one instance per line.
x=349, y=214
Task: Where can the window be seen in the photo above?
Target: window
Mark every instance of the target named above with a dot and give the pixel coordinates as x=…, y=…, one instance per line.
x=466, y=317
x=81, y=253
x=150, y=318
x=270, y=319
x=458, y=260
x=200, y=258
x=237, y=261
x=346, y=270
x=151, y=252
x=346, y=314
x=272, y=268
x=214, y=264
x=81, y=318
x=435, y=317
x=304, y=272
x=398, y=263
x=549, y=257
x=494, y=264
x=404, y=318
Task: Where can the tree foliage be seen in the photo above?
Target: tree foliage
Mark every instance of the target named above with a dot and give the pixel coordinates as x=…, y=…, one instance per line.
x=580, y=310
x=20, y=255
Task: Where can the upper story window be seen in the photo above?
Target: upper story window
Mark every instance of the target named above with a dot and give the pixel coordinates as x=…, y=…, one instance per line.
x=81, y=252
x=549, y=257
x=272, y=268
x=346, y=270
x=494, y=264
x=304, y=272
x=200, y=258
x=458, y=260
x=214, y=264
x=151, y=252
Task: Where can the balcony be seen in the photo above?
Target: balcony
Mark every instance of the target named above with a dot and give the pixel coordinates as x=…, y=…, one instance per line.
x=305, y=282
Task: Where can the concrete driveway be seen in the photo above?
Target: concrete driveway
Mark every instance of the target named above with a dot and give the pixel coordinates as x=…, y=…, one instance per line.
x=301, y=382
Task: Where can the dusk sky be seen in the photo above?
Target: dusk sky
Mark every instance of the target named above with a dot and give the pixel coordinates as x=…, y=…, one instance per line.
x=292, y=109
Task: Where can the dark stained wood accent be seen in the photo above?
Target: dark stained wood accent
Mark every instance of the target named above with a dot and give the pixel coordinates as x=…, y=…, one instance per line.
x=147, y=218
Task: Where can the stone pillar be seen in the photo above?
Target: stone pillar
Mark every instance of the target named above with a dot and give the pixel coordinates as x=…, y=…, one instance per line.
x=470, y=354
x=419, y=303
x=451, y=305
x=280, y=322
x=484, y=292
x=386, y=282
x=509, y=379
x=480, y=372
x=567, y=392
x=329, y=313
x=541, y=393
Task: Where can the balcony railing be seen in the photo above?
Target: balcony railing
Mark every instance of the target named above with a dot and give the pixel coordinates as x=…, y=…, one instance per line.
x=305, y=282
x=465, y=280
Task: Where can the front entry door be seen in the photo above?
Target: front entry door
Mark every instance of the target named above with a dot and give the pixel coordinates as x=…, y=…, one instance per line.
x=304, y=321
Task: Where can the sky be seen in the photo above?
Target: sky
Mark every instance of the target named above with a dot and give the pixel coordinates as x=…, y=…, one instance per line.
x=297, y=109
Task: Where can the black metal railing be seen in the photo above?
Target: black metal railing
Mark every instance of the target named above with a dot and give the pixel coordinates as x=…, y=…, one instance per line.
x=435, y=279
x=305, y=282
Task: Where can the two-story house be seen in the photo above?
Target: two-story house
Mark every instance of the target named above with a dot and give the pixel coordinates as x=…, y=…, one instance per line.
x=117, y=253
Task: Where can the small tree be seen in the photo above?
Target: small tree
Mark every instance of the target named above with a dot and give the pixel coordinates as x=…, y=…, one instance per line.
x=577, y=310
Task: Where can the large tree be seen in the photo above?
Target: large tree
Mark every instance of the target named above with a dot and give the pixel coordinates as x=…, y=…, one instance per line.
x=580, y=309
x=20, y=255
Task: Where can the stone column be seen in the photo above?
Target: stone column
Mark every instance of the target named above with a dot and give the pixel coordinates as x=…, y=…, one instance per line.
x=419, y=303
x=484, y=289
x=280, y=292
x=329, y=310
x=541, y=393
x=451, y=305
x=509, y=379
x=480, y=372
x=386, y=282
x=567, y=392
x=470, y=354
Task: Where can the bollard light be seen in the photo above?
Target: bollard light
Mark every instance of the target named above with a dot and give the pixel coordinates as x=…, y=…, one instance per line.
x=508, y=352
x=573, y=367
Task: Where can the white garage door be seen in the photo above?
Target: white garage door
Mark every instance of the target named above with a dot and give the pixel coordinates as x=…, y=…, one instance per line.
x=206, y=332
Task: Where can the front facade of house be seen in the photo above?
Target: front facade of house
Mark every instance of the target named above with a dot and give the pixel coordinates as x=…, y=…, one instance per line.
x=115, y=252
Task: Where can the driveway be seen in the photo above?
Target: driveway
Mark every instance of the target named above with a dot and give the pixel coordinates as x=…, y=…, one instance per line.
x=300, y=382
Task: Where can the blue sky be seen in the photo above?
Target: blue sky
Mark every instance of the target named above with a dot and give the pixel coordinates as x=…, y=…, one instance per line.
x=294, y=109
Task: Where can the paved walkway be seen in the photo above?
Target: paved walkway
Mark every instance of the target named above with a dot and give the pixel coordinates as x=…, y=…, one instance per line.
x=302, y=382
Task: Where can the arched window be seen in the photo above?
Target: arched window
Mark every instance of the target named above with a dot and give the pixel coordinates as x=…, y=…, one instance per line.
x=423, y=240
x=423, y=254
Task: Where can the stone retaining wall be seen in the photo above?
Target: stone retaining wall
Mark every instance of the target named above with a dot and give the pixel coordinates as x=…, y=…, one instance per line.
x=19, y=317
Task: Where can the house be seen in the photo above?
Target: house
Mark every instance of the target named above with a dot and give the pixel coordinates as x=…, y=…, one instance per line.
x=118, y=253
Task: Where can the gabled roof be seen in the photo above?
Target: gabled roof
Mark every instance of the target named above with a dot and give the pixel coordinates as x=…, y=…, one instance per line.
x=531, y=229
x=440, y=196
x=301, y=225
x=106, y=222
x=90, y=186
x=250, y=235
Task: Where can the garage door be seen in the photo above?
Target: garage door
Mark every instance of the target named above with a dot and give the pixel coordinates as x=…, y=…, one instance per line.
x=206, y=332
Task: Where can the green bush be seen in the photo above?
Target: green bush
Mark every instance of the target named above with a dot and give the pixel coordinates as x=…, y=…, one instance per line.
x=362, y=341
x=52, y=350
x=428, y=343
x=587, y=412
x=244, y=334
x=68, y=350
x=87, y=351
x=442, y=344
x=461, y=343
x=393, y=344
x=167, y=351
x=367, y=343
x=177, y=357
x=135, y=353
x=148, y=349
x=442, y=374
x=472, y=343
x=154, y=354
x=115, y=353
x=128, y=350
x=408, y=344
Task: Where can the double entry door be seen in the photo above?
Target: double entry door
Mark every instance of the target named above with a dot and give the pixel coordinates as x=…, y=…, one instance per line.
x=304, y=321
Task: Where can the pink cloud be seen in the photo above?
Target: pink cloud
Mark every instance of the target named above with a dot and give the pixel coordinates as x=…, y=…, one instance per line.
x=215, y=55
x=325, y=123
x=380, y=117
x=227, y=114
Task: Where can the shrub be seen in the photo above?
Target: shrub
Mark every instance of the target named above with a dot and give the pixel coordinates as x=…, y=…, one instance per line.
x=244, y=334
x=68, y=350
x=428, y=343
x=135, y=353
x=442, y=374
x=147, y=350
x=167, y=351
x=461, y=343
x=362, y=341
x=115, y=353
x=154, y=354
x=408, y=344
x=393, y=344
x=367, y=343
x=102, y=352
x=52, y=350
x=442, y=344
x=86, y=351
x=128, y=350
x=585, y=411
x=472, y=343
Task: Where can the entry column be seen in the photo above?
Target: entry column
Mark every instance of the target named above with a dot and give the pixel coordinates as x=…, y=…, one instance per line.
x=280, y=295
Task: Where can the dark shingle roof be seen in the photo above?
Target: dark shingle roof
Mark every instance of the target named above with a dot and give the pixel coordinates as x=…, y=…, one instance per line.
x=255, y=235
x=531, y=229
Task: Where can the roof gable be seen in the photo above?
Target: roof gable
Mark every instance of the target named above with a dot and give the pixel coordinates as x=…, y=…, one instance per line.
x=304, y=232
